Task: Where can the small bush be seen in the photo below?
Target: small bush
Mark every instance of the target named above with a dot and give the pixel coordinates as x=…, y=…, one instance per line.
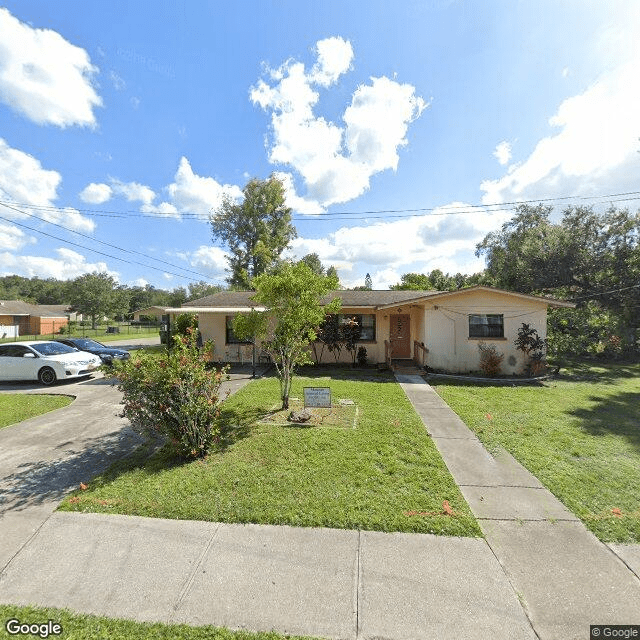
x=175, y=396
x=533, y=347
x=490, y=359
x=362, y=356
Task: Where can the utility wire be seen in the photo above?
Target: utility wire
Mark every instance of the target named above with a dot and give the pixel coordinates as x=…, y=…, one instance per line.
x=461, y=209
x=107, y=244
x=75, y=244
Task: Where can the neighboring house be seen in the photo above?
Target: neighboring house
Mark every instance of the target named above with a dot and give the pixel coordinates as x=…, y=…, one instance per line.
x=441, y=329
x=150, y=312
x=18, y=318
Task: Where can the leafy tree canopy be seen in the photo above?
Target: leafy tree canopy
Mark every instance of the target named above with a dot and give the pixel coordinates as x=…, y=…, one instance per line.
x=256, y=231
x=293, y=297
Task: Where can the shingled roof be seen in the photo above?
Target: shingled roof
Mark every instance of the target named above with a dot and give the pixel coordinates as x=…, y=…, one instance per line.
x=21, y=308
x=370, y=298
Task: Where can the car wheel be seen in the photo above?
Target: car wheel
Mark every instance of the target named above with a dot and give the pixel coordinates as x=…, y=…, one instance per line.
x=47, y=376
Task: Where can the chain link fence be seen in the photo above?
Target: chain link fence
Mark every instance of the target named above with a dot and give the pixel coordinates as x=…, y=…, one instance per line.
x=32, y=328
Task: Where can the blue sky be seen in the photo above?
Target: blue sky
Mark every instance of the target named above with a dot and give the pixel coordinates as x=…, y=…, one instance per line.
x=122, y=124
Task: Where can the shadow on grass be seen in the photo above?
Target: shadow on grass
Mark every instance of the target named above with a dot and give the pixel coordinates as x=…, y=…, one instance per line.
x=618, y=414
x=599, y=372
x=346, y=372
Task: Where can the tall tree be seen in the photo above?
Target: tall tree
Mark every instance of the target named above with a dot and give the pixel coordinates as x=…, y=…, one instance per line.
x=294, y=312
x=312, y=260
x=95, y=295
x=256, y=231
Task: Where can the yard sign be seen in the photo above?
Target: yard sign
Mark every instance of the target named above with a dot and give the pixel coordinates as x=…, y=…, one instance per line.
x=317, y=397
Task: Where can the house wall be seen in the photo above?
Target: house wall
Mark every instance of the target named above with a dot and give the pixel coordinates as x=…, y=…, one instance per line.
x=446, y=329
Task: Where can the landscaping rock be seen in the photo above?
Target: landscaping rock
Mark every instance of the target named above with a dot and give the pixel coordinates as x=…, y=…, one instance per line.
x=304, y=415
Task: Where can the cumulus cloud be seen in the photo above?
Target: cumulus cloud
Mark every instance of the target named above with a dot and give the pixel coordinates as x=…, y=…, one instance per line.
x=503, y=152
x=594, y=141
x=335, y=162
x=133, y=191
x=67, y=265
x=24, y=181
x=416, y=243
x=12, y=238
x=211, y=261
x=198, y=194
x=44, y=77
x=96, y=193
x=162, y=209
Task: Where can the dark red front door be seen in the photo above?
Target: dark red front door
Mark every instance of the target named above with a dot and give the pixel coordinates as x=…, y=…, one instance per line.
x=400, y=336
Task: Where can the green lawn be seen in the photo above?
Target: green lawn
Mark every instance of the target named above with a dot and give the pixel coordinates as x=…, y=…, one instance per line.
x=385, y=474
x=16, y=407
x=579, y=434
x=100, y=334
x=76, y=626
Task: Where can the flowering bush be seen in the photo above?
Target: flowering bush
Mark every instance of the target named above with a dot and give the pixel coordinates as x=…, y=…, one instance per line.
x=175, y=396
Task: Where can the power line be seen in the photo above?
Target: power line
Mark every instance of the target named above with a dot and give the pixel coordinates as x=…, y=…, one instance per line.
x=107, y=244
x=462, y=209
x=75, y=244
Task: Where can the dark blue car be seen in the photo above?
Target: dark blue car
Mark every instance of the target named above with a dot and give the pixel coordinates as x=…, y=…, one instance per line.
x=106, y=354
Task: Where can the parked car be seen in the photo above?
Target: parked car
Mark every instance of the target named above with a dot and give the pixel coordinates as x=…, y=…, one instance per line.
x=106, y=354
x=47, y=362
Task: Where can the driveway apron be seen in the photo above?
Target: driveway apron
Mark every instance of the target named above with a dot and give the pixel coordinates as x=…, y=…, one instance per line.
x=565, y=578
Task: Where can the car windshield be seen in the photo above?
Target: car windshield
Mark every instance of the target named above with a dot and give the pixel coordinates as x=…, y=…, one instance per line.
x=85, y=343
x=52, y=348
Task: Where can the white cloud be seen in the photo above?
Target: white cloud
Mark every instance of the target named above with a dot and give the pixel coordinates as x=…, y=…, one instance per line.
x=334, y=58
x=210, y=260
x=12, y=238
x=444, y=239
x=162, y=209
x=335, y=162
x=96, y=193
x=503, y=152
x=198, y=194
x=67, y=265
x=44, y=77
x=24, y=181
x=133, y=191
x=593, y=148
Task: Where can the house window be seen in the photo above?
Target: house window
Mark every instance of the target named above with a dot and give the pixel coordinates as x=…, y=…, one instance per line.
x=230, y=336
x=486, y=326
x=366, y=323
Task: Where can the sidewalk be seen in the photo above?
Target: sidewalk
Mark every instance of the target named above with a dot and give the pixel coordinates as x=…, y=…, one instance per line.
x=538, y=574
x=564, y=576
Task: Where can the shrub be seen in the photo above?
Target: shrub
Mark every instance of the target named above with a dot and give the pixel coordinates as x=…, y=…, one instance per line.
x=175, y=396
x=350, y=334
x=362, y=356
x=490, y=359
x=184, y=323
x=533, y=347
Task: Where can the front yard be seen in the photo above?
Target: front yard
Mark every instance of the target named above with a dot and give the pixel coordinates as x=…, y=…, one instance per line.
x=385, y=474
x=579, y=434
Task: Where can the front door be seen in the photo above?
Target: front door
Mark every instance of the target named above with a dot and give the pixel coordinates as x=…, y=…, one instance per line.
x=400, y=335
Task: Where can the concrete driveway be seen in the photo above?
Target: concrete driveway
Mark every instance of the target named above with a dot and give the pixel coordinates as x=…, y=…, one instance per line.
x=44, y=458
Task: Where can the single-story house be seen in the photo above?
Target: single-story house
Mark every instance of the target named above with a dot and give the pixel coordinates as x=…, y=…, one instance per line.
x=149, y=312
x=18, y=318
x=440, y=329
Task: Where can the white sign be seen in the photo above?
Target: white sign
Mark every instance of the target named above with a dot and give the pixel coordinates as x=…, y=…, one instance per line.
x=317, y=397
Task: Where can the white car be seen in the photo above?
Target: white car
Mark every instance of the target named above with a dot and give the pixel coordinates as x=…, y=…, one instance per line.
x=45, y=361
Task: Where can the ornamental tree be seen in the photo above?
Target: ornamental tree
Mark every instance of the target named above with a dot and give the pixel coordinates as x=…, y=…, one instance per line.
x=293, y=298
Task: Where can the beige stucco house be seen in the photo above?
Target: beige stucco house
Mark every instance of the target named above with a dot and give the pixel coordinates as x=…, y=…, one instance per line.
x=440, y=329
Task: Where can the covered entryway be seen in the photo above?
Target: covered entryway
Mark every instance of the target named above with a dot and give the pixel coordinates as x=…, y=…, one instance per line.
x=400, y=335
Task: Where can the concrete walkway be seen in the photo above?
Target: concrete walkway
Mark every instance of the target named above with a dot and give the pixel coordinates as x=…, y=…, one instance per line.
x=534, y=578
x=564, y=576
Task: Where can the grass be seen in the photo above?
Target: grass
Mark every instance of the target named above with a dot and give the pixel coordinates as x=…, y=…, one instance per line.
x=98, y=334
x=384, y=475
x=579, y=434
x=16, y=407
x=76, y=626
